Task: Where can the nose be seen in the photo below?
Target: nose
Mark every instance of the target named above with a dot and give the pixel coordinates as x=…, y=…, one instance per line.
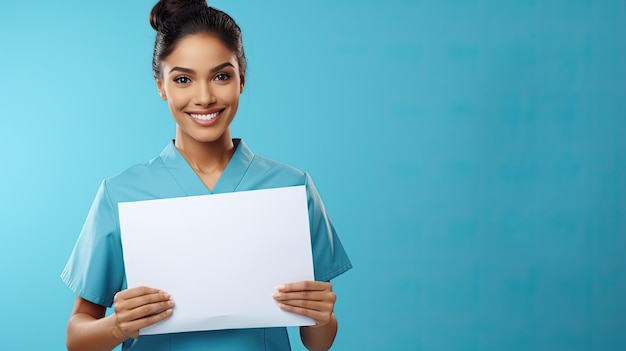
x=204, y=95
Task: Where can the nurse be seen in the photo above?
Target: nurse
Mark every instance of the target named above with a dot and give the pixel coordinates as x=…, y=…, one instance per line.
x=199, y=67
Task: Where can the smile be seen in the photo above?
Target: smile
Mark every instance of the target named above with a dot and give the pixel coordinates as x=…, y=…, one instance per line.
x=206, y=117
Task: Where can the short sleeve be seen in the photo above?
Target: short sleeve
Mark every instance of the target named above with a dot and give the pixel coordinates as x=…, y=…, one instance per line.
x=95, y=269
x=329, y=257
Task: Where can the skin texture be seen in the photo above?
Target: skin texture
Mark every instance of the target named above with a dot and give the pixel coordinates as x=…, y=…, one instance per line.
x=200, y=77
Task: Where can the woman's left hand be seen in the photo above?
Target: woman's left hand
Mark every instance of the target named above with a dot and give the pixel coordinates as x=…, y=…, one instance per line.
x=312, y=299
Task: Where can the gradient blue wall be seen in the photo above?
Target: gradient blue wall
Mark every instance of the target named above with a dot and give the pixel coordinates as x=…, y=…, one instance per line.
x=471, y=154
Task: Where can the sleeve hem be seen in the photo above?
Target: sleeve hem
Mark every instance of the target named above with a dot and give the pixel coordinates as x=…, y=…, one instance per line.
x=106, y=302
x=335, y=273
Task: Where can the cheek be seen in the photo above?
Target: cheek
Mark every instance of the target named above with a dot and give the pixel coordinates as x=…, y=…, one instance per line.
x=176, y=105
x=230, y=94
x=177, y=99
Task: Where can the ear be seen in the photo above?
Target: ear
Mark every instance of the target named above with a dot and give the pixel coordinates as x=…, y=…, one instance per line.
x=242, y=80
x=161, y=90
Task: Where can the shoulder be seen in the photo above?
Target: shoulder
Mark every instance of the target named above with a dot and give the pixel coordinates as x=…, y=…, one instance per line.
x=142, y=181
x=134, y=173
x=269, y=164
x=276, y=173
x=264, y=172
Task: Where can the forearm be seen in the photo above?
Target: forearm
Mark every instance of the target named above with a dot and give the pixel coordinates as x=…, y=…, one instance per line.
x=84, y=332
x=319, y=338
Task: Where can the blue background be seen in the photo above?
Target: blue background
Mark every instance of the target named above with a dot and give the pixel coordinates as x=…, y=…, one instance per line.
x=471, y=155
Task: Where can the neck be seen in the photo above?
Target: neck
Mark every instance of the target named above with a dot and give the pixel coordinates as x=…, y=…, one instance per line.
x=205, y=157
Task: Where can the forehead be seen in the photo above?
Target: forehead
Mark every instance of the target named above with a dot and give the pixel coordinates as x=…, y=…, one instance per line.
x=200, y=52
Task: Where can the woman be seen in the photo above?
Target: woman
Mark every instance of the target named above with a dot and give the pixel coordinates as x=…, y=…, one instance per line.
x=199, y=67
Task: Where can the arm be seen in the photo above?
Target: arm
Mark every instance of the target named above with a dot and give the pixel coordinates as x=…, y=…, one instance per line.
x=89, y=329
x=315, y=300
x=319, y=338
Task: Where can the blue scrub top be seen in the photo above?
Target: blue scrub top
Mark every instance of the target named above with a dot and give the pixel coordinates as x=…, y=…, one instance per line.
x=95, y=269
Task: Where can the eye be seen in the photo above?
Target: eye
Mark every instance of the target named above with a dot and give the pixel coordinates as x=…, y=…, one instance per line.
x=182, y=80
x=222, y=76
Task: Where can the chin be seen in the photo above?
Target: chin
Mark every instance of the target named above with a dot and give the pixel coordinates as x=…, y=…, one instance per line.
x=208, y=139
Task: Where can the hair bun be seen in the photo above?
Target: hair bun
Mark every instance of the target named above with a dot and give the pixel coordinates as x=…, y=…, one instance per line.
x=164, y=9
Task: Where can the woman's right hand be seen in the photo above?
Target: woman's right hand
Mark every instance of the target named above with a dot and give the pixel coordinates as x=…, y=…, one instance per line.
x=139, y=307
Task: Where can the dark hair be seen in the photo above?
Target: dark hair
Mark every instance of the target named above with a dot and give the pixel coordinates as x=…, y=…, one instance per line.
x=175, y=19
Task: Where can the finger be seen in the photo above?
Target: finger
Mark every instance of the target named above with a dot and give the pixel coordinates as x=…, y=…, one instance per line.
x=148, y=299
x=320, y=317
x=305, y=295
x=122, y=305
x=144, y=311
x=321, y=306
x=305, y=285
x=136, y=291
x=131, y=328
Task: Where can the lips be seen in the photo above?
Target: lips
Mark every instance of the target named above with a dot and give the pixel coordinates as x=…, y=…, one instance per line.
x=204, y=117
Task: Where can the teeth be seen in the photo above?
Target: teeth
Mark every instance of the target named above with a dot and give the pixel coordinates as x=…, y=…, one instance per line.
x=204, y=117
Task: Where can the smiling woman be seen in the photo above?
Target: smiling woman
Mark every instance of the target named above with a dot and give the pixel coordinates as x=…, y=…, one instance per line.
x=202, y=83
x=199, y=67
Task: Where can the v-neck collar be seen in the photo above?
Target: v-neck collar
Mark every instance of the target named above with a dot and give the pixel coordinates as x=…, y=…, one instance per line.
x=189, y=181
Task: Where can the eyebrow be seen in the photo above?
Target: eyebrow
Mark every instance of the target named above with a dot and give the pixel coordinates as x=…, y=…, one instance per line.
x=213, y=70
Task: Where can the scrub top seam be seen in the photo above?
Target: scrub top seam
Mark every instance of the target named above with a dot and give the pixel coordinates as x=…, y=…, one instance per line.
x=172, y=175
x=114, y=208
x=245, y=172
x=110, y=299
x=72, y=285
